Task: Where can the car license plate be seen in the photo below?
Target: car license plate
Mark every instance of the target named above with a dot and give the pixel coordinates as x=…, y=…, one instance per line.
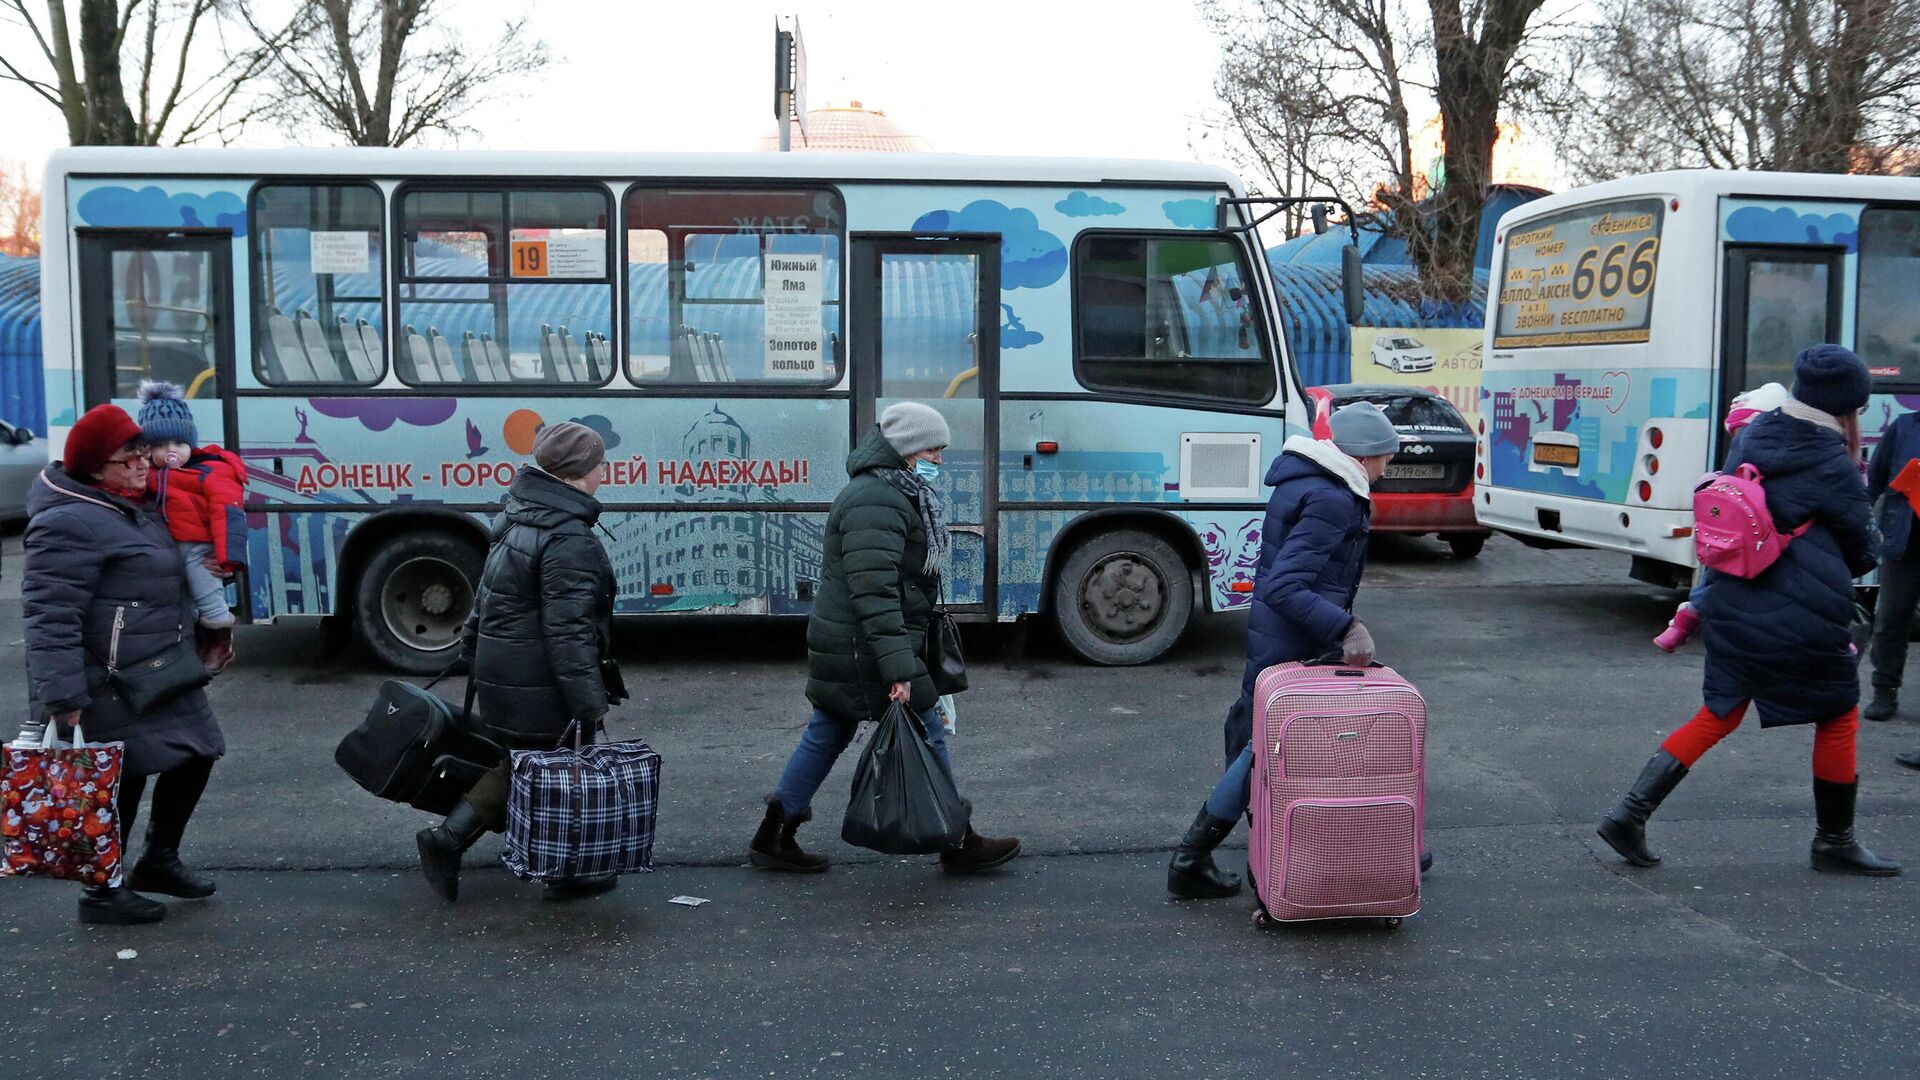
x=1557, y=454
x=1415, y=472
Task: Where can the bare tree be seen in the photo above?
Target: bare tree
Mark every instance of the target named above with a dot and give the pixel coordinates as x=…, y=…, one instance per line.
x=1475, y=54
x=19, y=211
x=383, y=72
x=1799, y=85
x=185, y=84
x=1313, y=94
x=1323, y=94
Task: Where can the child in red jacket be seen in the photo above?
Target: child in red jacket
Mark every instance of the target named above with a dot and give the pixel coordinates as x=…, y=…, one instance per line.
x=202, y=494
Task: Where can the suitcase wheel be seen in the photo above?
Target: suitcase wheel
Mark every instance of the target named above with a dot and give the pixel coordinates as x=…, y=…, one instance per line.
x=1261, y=920
x=1393, y=922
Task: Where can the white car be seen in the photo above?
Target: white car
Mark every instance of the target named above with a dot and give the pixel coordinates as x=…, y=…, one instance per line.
x=1402, y=354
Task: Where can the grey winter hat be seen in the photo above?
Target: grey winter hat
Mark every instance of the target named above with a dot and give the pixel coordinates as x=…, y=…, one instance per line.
x=911, y=427
x=1362, y=430
x=568, y=450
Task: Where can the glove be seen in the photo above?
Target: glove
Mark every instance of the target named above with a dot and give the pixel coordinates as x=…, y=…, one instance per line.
x=1357, y=647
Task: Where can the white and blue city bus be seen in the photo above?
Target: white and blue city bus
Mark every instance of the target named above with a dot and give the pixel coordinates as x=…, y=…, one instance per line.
x=1628, y=315
x=381, y=333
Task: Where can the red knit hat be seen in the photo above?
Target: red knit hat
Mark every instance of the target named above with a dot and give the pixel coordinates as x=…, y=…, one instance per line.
x=98, y=436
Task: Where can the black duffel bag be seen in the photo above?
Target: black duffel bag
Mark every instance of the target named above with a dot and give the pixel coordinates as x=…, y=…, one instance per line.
x=904, y=802
x=414, y=748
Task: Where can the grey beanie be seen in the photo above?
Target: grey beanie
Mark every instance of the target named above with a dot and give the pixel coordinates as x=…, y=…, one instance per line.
x=568, y=450
x=911, y=427
x=1362, y=430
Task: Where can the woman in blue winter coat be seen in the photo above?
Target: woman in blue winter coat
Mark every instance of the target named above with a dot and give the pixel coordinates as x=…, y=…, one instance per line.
x=1783, y=640
x=1313, y=548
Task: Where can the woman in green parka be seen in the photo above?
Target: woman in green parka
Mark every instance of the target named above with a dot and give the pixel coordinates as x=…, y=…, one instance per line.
x=886, y=549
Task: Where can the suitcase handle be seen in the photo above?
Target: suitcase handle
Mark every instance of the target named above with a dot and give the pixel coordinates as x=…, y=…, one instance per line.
x=1335, y=660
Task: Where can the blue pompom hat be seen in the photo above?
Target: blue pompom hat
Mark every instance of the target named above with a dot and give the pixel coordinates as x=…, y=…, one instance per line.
x=1830, y=378
x=164, y=415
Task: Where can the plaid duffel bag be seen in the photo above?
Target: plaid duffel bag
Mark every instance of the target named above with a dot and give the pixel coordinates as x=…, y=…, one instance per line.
x=582, y=812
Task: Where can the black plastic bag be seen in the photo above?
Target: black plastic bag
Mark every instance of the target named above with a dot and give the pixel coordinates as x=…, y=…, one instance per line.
x=903, y=803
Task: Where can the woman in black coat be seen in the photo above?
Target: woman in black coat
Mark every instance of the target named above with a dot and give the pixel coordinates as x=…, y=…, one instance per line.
x=539, y=639
x=1782, y=640
x=103, y=585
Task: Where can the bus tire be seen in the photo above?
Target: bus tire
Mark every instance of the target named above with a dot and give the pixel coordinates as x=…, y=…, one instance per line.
x=1466, y=545
x=1122, y=598
x=413, y=599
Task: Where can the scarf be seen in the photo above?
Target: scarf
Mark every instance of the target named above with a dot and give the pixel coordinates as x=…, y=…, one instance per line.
x=1847, y=427
x=939, y=543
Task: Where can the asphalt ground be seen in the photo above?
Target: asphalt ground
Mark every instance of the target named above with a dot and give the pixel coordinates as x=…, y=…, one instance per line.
x=1538, y=954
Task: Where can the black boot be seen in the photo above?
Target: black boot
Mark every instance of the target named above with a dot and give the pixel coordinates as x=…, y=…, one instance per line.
x=773, y=846
x=1625, y=826
x=161, y=871
x=119, y=906
x=1191, y=875
x=1885, y=704
x=442, y=846
x=1835, y=851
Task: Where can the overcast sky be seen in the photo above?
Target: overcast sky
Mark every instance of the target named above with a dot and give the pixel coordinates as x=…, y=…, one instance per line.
x=985, y=76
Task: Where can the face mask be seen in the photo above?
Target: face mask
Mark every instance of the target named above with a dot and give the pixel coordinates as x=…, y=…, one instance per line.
x=926, y=470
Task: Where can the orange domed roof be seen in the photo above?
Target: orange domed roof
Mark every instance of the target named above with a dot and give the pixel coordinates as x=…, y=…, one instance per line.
x=849, y=127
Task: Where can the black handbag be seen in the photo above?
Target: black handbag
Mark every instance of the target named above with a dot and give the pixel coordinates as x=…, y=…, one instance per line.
x=167, y=674
x=946, y=664
x=413, y=748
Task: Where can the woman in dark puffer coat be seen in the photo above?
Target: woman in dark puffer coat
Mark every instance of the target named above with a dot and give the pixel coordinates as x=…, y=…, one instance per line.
x=1782, y=640
x=538, y=640
x=886, y=548
x=103, y=584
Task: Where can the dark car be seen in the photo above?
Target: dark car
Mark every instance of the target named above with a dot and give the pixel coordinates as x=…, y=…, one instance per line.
x=1428, y=487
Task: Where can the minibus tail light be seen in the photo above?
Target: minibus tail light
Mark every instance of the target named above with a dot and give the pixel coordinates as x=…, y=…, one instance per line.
x=1646, y=491
x=1655, y=437
x=1653, y=465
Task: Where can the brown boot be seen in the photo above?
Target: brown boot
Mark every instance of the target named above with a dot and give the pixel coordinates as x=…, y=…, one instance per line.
x=215, y=646
x=977, y=853
x=773, y=846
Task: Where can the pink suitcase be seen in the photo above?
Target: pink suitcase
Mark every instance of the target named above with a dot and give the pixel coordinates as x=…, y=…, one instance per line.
x=1339, y=793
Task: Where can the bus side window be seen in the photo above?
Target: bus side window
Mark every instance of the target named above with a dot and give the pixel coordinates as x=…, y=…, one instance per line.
x=317, y=254
x=1889, y=321
x=734, y=286
x=1168, y=314
x=525, y=275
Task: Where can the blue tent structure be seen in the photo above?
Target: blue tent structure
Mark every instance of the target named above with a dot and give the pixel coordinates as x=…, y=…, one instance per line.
x=23, y=392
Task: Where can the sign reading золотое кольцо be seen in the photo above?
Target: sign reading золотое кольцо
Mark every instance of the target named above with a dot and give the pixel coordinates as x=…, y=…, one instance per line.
x=791, y=290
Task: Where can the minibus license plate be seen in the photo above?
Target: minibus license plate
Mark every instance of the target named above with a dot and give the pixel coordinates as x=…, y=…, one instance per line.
x=1566, y=457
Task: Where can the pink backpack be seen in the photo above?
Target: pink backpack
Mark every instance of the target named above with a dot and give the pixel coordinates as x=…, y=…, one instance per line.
x=1733, y=532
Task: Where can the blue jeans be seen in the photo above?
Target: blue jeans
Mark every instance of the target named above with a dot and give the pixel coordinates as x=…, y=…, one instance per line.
x=209, y=591
x=820, y=746
x=1234, y=791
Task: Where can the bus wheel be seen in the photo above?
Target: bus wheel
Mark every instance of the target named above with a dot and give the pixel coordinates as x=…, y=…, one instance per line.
x=414, y=597
x=1466, y=545
x=1123, y=597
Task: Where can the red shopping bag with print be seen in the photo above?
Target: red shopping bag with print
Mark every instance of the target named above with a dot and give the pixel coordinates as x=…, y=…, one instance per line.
x=59, y=809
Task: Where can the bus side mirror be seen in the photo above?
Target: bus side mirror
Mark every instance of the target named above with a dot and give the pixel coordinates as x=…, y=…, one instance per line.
x=1352, y=291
